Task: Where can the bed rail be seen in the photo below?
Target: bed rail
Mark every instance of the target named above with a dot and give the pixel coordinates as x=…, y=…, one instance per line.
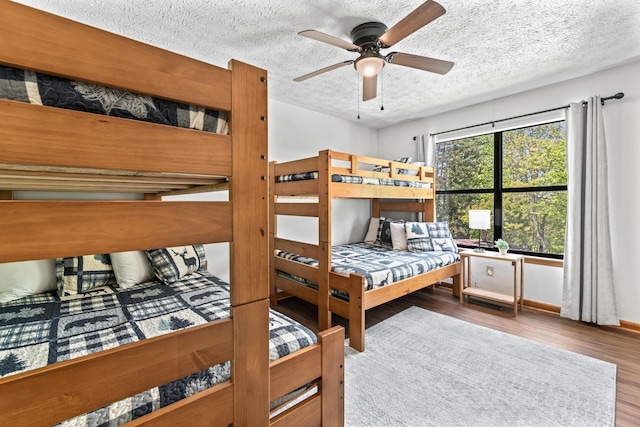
x=54, y=393
x=50, y=229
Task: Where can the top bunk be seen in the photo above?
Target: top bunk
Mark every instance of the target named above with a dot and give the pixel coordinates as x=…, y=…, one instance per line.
x=60, y=149
x=46, y=148
x=352, y=176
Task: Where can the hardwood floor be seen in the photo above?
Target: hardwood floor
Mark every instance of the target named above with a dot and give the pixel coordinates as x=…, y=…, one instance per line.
x=611, y=344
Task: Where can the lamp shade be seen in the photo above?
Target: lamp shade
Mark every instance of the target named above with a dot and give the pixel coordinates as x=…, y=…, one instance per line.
x=369, y=66
x=480, y=219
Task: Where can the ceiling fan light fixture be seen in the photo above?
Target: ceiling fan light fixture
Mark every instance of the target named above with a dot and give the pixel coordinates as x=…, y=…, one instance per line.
x=369, y=66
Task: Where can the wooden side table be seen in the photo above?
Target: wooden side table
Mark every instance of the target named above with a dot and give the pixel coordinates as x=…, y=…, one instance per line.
x=517, y=261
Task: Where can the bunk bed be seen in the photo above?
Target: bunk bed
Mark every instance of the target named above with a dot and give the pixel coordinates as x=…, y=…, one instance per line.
x=45, y=148
x=307, y=271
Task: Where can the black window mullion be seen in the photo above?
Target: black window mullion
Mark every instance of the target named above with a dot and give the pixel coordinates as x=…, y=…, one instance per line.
x=497, y=185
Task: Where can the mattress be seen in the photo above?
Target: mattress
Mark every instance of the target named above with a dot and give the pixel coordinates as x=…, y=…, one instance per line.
x=350, y=179
x=39, y=330
x=41, y=89
x=379, y=265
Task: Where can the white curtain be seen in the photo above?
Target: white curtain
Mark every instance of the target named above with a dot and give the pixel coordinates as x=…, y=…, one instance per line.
x=426, y=149
x=588, y=288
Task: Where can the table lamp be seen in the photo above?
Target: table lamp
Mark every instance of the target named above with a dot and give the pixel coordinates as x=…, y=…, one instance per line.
x=479, y=219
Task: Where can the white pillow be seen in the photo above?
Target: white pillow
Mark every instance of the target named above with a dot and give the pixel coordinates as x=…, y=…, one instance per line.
x=131, y=268
x=372, y=233
x=20, y=279
x=412, y=172
x=398, y=236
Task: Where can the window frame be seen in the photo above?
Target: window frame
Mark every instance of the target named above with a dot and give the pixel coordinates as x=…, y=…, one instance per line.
x=498, y=191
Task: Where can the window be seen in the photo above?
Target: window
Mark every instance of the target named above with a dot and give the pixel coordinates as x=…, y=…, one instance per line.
x=520, y=175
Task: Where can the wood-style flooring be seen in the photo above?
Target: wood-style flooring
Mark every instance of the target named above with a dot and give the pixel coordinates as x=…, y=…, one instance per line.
x=611, y=344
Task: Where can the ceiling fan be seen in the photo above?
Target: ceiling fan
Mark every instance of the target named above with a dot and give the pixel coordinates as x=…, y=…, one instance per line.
x=369, y=38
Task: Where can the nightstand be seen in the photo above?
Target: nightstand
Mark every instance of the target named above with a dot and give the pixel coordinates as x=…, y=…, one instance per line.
x=517, y=262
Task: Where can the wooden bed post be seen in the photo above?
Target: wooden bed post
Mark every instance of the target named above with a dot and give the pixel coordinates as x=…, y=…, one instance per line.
x=332, y=341
x=375, y=208
x=356, y=311
x=273, y=232
x=324, y=238
x=250, y=246
x=429, y=213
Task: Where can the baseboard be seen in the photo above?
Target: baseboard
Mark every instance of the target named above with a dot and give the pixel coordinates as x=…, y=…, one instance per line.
x=549, y=308
x=630, y=326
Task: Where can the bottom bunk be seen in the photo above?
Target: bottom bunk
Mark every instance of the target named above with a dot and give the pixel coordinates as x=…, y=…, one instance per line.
x=363, y=276
x=134, y=354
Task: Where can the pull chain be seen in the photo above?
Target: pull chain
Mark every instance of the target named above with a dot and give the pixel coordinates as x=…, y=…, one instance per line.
x=382, y=90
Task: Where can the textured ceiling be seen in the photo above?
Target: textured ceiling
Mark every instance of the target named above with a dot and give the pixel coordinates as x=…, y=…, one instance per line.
x=499, y=47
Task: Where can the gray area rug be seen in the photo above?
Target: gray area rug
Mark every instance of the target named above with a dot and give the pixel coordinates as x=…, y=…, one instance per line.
x=422, y=368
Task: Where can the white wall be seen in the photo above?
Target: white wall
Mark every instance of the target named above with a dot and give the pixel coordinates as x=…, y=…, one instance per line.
x=622, y=125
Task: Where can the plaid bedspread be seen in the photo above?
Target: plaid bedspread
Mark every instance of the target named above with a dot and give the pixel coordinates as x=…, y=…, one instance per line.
x=379, y=265
x=42, y=89
x=40, y=330
x=350, y=179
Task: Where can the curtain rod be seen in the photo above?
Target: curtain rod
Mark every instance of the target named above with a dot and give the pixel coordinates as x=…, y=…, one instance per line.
x=618, y=95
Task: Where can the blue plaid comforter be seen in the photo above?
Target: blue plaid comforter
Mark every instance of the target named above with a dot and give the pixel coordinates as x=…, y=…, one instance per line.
x=379, y=265
x=39, y=330
x=42, y=89
x=350, y=179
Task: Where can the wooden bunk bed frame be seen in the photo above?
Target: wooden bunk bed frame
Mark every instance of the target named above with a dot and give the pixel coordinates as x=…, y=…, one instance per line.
x=283, y=201
x=44, y=148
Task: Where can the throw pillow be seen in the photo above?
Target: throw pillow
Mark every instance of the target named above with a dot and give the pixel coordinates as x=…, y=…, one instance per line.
x=430, y=236
x=78, y=275
x=24, y=278
x=384, y=231
x=398, y=236
x=372, y=232
x=380, y=168
x=172, y=264
x=131, y=268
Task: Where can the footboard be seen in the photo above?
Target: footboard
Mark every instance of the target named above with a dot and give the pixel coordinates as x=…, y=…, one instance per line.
x=322, y=363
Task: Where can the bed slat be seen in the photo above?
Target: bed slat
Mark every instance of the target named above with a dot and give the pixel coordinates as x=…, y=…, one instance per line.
x=298, y=166
x=104, y=142
x=49, y=229
x=296, y=289
x=297, y=209
x=297, y=269
x=62, y=47
x=305, y=362
x=297, y=188
x=210, y=408
x=300, y=248
x=360, y=191
x=308, y=414
x=60, y=391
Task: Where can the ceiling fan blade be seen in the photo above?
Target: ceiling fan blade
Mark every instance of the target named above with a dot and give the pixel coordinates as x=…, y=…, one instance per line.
x=322, y=70
x=326, y=38
x=369, y=87
x=427, y=12
x=420, y=62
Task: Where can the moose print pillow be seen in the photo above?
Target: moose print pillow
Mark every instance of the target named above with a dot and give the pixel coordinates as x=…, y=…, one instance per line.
x=429, y=236
x=172, y=264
